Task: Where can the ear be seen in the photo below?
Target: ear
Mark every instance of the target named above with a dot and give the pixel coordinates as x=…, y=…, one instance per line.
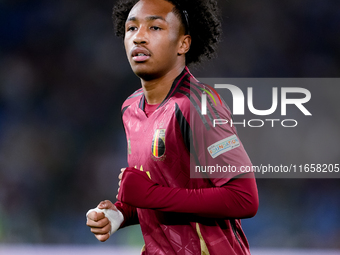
x=184, y=46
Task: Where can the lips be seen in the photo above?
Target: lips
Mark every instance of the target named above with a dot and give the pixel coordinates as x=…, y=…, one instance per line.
x=140, y=54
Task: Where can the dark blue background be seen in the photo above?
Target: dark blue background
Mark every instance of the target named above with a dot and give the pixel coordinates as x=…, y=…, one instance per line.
x=64, y=76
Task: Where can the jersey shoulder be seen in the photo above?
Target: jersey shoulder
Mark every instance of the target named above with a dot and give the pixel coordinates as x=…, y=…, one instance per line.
x=200, y=101
x=133, y=98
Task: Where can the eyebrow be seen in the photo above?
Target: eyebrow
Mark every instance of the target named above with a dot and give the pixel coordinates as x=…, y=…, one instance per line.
x=149, y=18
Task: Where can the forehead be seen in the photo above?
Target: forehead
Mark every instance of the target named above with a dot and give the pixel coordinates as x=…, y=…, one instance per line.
x=145, y=8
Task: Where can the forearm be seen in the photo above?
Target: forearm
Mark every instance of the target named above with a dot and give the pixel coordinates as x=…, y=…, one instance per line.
x=237, y=199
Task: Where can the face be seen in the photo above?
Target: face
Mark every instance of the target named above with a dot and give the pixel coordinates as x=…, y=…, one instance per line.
x=153, y=38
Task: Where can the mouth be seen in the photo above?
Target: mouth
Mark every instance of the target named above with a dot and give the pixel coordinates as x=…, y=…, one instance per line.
x=140, y=54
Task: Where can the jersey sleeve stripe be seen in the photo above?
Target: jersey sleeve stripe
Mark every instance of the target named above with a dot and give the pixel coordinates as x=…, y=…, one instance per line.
x=196, y=107
x=124, y=109
x=184, y=125
x=186, y=132
x=213, y=108
x=135, y=95
x=199, y=98
x=138, y=91
x=197, y=85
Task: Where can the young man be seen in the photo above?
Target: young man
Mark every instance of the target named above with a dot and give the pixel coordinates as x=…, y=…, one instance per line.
x=167, y=135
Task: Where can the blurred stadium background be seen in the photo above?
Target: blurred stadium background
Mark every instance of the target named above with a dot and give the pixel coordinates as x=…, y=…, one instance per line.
x=64, y=76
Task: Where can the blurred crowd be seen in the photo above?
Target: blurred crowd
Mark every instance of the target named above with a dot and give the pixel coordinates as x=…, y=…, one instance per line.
x=64, y=77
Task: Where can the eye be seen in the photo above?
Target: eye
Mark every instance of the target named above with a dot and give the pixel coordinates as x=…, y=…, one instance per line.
x=131, y=28
x=155, y=28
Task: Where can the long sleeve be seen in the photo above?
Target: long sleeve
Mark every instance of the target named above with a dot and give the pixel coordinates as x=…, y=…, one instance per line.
x=238, y=198
x=129, y=213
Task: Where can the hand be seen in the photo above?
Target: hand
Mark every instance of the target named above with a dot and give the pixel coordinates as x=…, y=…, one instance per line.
x=120, y=176
x=99, y=224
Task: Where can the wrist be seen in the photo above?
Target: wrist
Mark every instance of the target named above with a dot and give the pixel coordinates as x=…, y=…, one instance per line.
x=116, y=218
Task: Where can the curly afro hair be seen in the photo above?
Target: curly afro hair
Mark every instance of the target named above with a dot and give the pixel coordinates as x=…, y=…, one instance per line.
x=204, y=24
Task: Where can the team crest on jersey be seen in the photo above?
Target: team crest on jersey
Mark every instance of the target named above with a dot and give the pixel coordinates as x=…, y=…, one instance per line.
x=158, y=143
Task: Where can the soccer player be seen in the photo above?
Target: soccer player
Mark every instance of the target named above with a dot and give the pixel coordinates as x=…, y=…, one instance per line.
x=168, y=135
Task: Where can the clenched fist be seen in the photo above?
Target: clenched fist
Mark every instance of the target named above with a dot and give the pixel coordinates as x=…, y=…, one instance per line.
x=104, y=220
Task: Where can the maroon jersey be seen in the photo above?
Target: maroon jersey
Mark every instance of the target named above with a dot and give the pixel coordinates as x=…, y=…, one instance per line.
x=173, y=139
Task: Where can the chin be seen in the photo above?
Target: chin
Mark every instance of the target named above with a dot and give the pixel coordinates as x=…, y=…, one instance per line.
x=144, y=72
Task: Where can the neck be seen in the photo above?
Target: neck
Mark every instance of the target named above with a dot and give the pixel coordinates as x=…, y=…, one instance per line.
x=157, y=89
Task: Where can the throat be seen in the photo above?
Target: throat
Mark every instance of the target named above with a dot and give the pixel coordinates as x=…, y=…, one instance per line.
x=155, y=93
x=156, y=90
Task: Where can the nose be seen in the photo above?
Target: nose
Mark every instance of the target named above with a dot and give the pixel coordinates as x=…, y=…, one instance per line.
x=141, y=36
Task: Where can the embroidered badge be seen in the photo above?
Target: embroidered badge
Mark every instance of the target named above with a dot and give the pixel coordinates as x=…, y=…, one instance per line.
x=223, y=146
x=158, y=143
